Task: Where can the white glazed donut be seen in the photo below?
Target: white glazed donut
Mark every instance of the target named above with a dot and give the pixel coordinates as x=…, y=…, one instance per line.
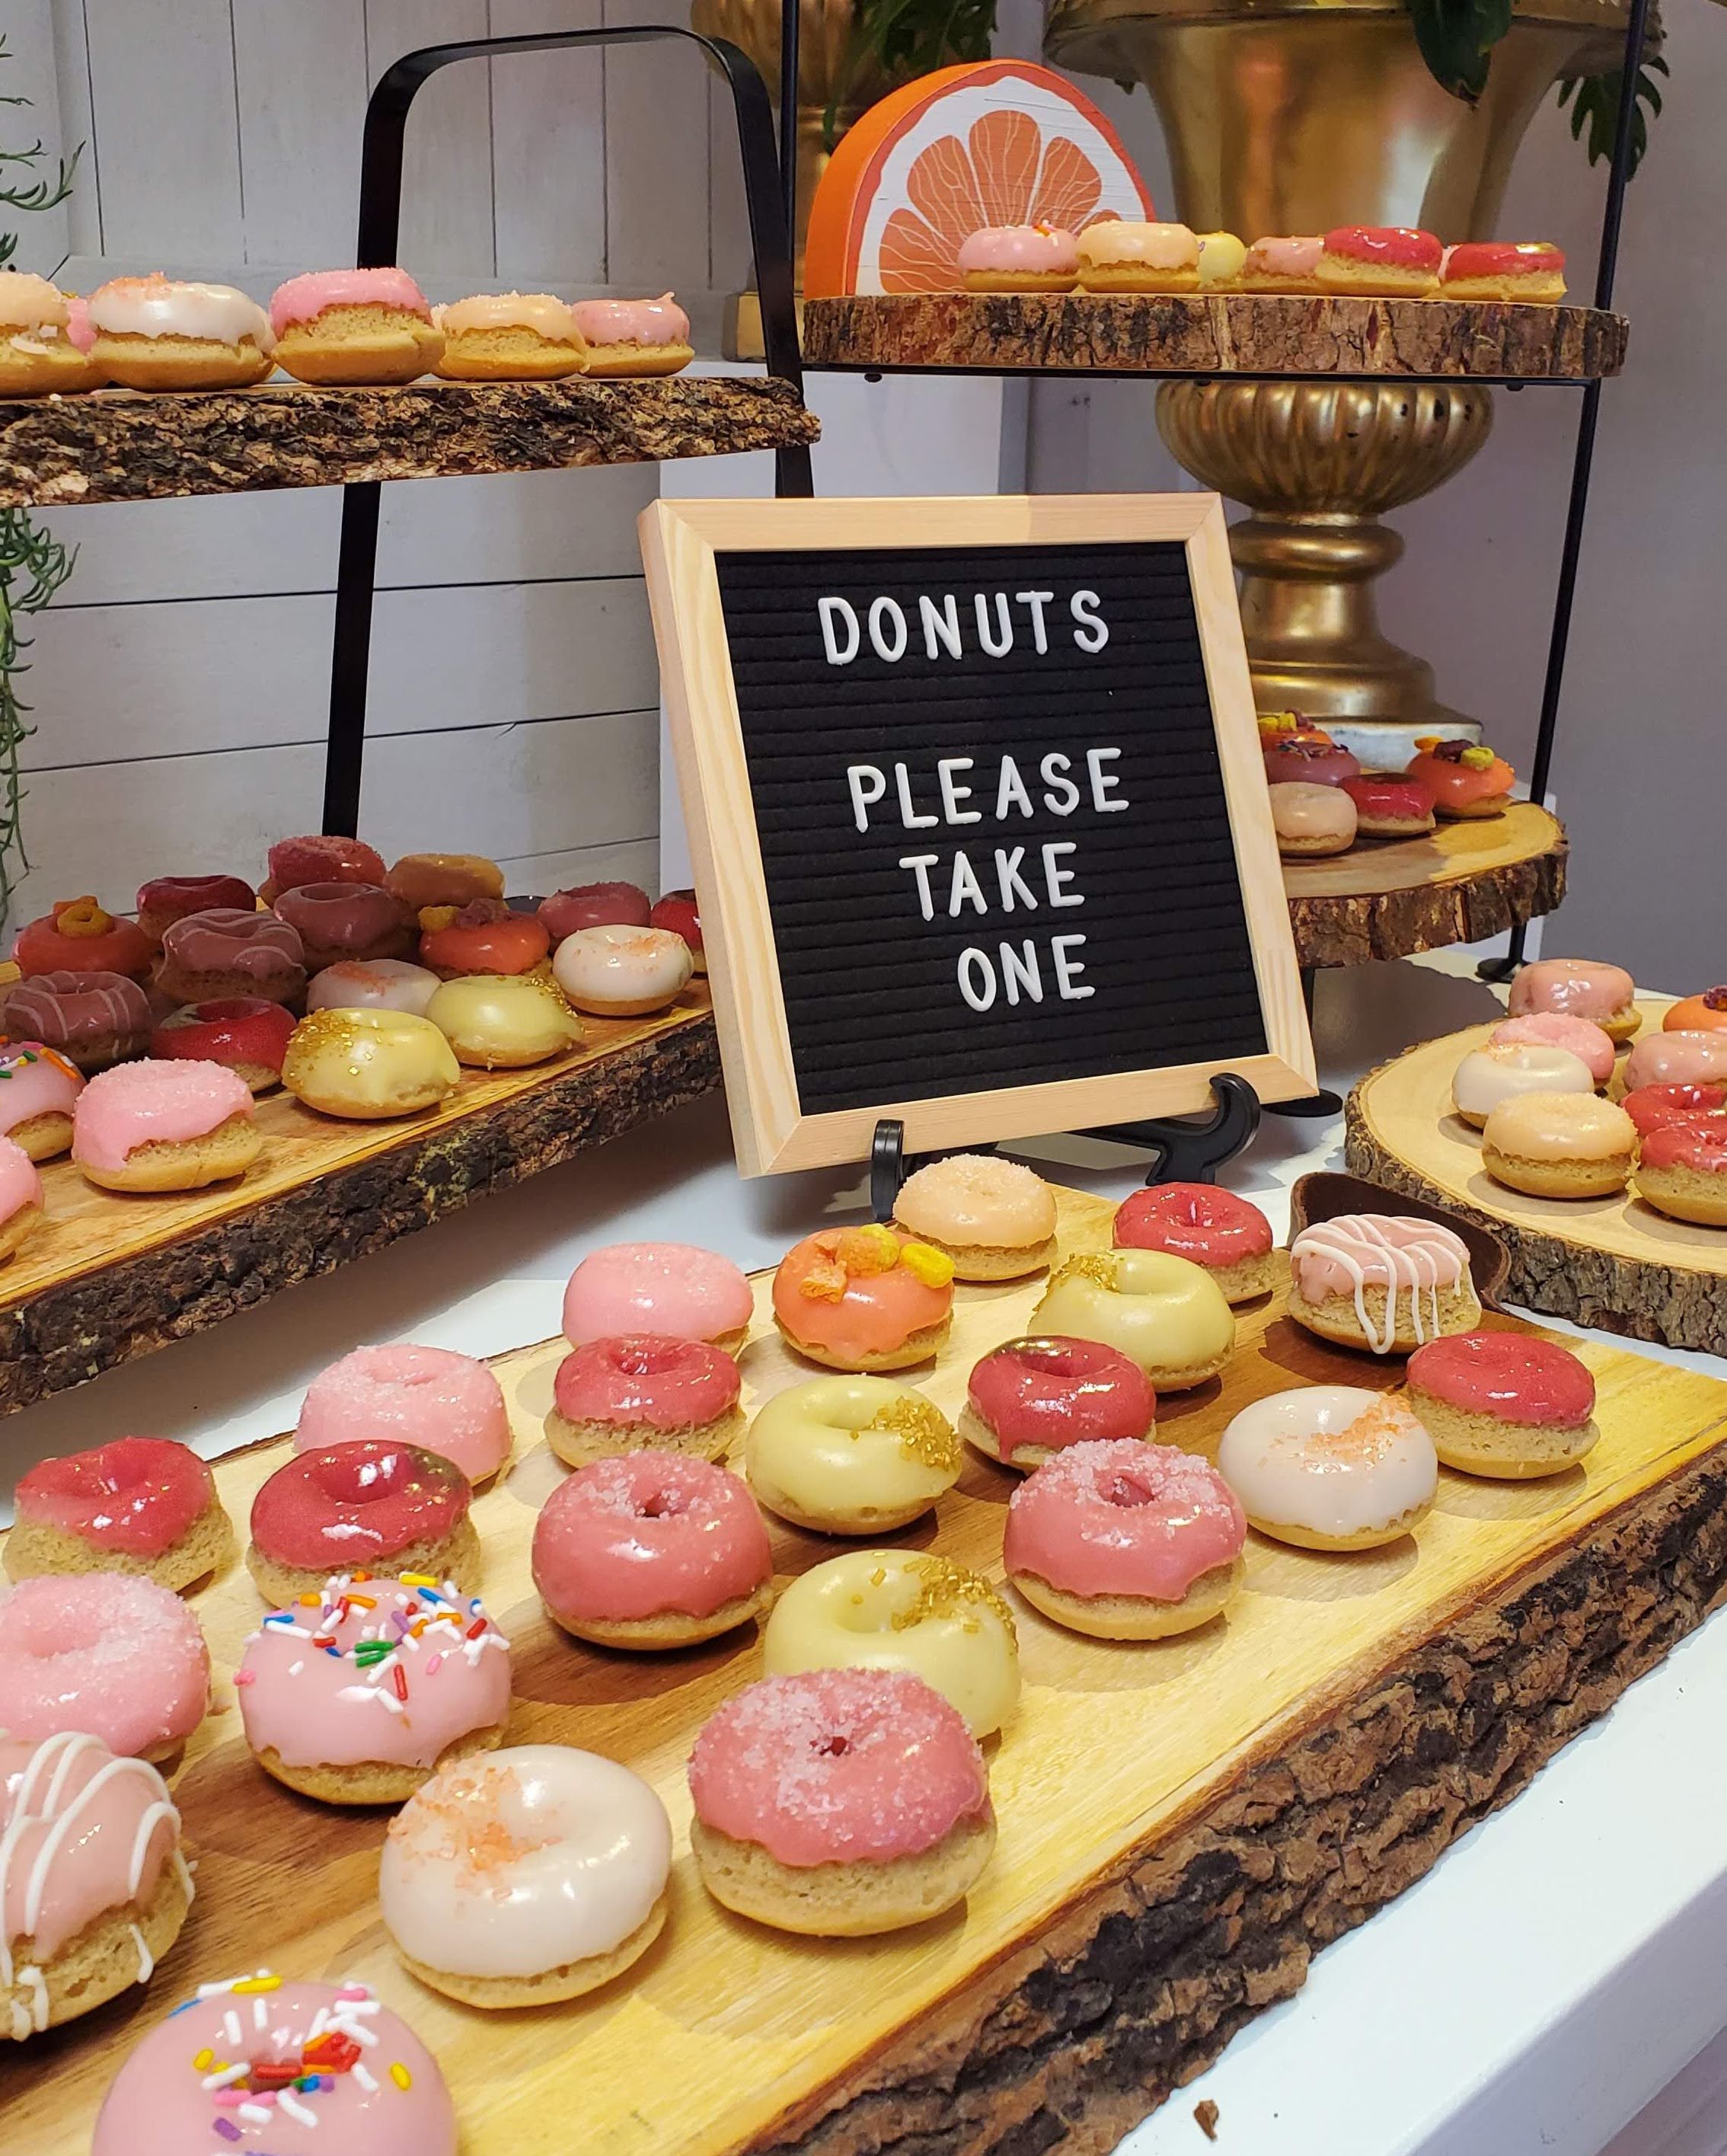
x=157, y=332
x=1329, y=1467
x=619, y=972
x=530, y=1874
x=1488, y=1075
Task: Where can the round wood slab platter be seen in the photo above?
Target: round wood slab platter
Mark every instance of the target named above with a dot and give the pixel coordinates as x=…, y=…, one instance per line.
x=1614, y=1262
x=1389, y=899
x=1192, y=333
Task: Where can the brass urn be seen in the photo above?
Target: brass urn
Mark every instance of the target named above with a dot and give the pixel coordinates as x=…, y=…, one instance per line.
x=1291, y=116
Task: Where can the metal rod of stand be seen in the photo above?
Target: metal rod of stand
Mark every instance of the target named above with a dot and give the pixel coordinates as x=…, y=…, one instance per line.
x=790, y=26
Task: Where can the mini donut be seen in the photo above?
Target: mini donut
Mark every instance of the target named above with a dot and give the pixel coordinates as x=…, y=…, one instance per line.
x=1225, y=1235
x=1683, y=1171
x=509, y=336
x=651, y=1551
x=1329, y=1467
x=1558, y=1145
x=1283, y=264
x=1390, y=807
x=108, y=1655
x=902, y=1609
x=1652, y=1106
x=369, y=1065
x=1581, y=1036
x=325, y=857
x=839, y=1803
x=623, y=973
x=372, y=984
x=1121, y=255
x=1019, y=258
x=157, y=332
x=1309, y=757
x=245, y=1035
x=1677, y=1059
x=863, y=1298
x=1388, y=1282
x=22, y=1206
x=642, y=1390
x=1311, y=821
x=1528, y=272
x=1030, y=1398
x=39, y=1090
x=523, y=1877
x=373, y=1504
x=422, y=880
x=229, y=951
x=853, y=1456
x=994, y=1218
x=503, y=1021
x=1508, y=1405
x=676, y=911
x=1167, y=1313
x=92, y=1019
x=39, y=354
x=633, y=336
x=1395, y=261
x=164, y=1126
x=1502, y=1071
x=102, y=1890
x=78, y=936
x=338, y=921
x=483, y=936
x=431, y=1397
x=142, y=1505
x=319, y=2066
x=165, y=900
x=1125, y=1540
x=657, y=1287
x=1581, y=987
x=357, y=1693
x=596, y=906
x=1466, y=778
x=1705, y=1012
x=354, y=326
x=1221, y=258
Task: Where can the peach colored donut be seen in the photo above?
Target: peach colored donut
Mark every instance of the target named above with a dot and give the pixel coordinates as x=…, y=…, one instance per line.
x=1117, y=1517
x=657, y=1287
x=1583, y=988
x=430, y=1396
x=1677, y=1059
x=647, y=1535
x=1581, y=1037
x=396, y=984
x=617, y=970
x=109, y=1655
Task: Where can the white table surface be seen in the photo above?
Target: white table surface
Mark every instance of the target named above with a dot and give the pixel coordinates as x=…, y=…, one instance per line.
x=1546, y=1980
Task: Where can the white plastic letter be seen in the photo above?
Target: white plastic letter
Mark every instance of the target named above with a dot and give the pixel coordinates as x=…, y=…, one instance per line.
x=1092, y=632
x=1015, y=890
x=1037, y=601
x=868, y=784
x=965, y=889
x=1103, y=782
x=920, y=865
x=1004, y=626
x=952, y=794
x=977, y=978
x=1062, y=798
x=838, y=610
x=1068, y=970
x=891, y=646
x=941, y=625
x=908, y=815
x=1019, y=973
x=1011, y=791
x=1059, y=878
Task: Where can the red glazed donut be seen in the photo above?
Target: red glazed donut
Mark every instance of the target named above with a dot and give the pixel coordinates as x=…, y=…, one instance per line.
x=1309, y=759
x=321, y=859
x=373, y=1505
x=594, y=906
x=166, y=900
x=1225, y=1234
x=337, y=920
x=78, y=936
x=484, y=938
x=1651, y=1108
x=1387, y=807
x=246, y=1034
x=1683, y=1171
x=640, y=1390
x=677, y=912
x=1503, y=1404
x=136, y=1504
x=1032, y=1398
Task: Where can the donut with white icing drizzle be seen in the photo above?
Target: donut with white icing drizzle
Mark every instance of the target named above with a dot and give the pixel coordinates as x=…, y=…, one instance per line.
x=1385, y=1281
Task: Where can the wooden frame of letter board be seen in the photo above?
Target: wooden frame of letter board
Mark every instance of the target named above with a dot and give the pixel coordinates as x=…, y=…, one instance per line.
x=772, y=1134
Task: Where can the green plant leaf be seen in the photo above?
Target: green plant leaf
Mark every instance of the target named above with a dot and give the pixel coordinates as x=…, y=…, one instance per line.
x=1594, y=100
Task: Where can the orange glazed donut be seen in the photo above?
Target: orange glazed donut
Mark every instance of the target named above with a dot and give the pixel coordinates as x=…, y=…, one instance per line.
x=1701, y=1014
x=79, y=937
x=1466, y=779
x=483, y=937
x=864, y=1299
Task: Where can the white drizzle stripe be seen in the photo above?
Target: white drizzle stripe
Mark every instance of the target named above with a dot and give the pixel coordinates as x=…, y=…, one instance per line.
x=146, y=1960
x=1358, y=1242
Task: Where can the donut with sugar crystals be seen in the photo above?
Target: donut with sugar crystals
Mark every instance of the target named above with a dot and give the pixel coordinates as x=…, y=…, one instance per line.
x=1166, y=1312
x=322, y=857
x=657, y=1287
x=157, y=332
x=1502, y=1070
x=1592, y=1045
x=1559, y=1145
x=373, y=984
x=619, y=972
x=431, y=1397
x=162, y=1125
x=994, y=1218
x=851, y=1456
x=369, y=1064
x=1329, y=1467
x=106, y=1654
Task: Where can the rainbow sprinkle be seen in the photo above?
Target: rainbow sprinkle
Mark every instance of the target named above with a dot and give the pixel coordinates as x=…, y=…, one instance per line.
x=400, y=2074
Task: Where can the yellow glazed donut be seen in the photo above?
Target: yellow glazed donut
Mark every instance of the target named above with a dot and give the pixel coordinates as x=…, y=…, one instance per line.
x=995, y=1218
x=369, y=1064
x=501, y=1021
x=851, y=1456
x=1221, y=257
x=902, y=1609
x=1168, y=1314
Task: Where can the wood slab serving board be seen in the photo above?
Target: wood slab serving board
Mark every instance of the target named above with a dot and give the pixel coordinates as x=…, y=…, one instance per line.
x=1182, y=1824
x=1615, y=1262
x=112, y=1274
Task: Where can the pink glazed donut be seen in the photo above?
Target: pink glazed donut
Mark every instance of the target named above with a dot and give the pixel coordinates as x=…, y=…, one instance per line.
x=1029, y=1399
x=1125, y=1540
x=364, y=2084
x=657, y=1287
x=1581, y=988
x=652, y=1550
x=425, y=1396
x=338, y=921
x=1677, y=1059
x=107, y=1654
x=640, y=1390
x=1581, y=1037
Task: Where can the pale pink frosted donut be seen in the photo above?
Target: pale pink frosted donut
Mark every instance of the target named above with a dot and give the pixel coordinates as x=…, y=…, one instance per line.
x=1115, y=1517
x=1044, y=249
x=631, y=321
x=653, y=1531
x=303, y=299
x=153, y=1103
x=34, y=1081
x=20, y=1185
x=1581, y=1036
x=1677, y=1059
x=839, y=1766
x=107, y=1654
x=656, y=1287
x=430, y=1396
x=621, y=970
x=373, y=984
x=1585, y=988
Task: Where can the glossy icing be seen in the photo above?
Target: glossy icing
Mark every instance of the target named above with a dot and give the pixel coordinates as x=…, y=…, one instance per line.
x=1556, y=1126
x=659, y=321
x=659, y=1382
x=323, y=857
x=1512, y=1376
x=228, y=1030
x=1041, y=249
x=350, y=918
x=676, y=910
x=1309, y=758
x=361, y=2083
x=1221, y=257
x=849, y=1449
x=108, y=1654
x=20, y=1185
x=979, y=1200
x=134, y=1497
x=1334, y=1459
x=154, y=1102
x=617, y=964
x=1488, y=1075
x=1116, y=240
x=1581, y=1036
x=1650, y=1107
x=373, y=984
x=1293, y=256
x=1054, y=1392
x=1307, y=813
x=655, y=1287
x=636, y=1537
x=1197, y=1221
x=1459, y=773
x=1584, y=987
x=1699, y=1143
x=35, y=1081
x=596, y=906
x=353, y=1506
x=1394, y=246
x=158, y=306
x=445, y=879
x=856, y=1292
x=78, y=934
x=523, y=1861
x=87, y=1013
x=29, y=302
x=483, y=936
x=370, y=1669
x=1537, y=259
x=902, y=1609
x=1379, y=798
x=1677, y=1059
x=539, y=311
x=1163, y=1312
x=168, y=899
x=1401, y=1255
x=1114, y=1517
x=508, y=1017
x=261, y=948
x=839, y=1766
x=1704, y=1013
x=431, y=1397
x=370, y=1060
x=303, y=299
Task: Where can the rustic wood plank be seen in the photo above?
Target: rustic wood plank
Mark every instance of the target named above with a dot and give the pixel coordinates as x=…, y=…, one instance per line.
x=117, y=445
x=1207, y=334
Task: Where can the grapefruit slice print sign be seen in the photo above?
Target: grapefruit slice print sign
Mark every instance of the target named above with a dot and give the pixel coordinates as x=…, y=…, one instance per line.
x=1002, y=142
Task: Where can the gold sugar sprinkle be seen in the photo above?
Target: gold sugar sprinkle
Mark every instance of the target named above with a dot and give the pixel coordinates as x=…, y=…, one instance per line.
x=947, y=1589
x=924, y=1432
x=1095, y=1265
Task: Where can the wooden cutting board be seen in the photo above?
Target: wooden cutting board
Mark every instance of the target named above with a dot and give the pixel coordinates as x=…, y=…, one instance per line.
x=1182, y=1823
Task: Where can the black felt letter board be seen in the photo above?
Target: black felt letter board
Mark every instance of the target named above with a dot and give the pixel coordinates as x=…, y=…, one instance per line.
x=1084, y=910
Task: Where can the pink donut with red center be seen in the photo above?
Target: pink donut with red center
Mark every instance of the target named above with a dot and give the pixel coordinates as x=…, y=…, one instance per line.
x=1229, y=1236
x=104, y=1654
x=657, y=1287
x=595, y=905
x=374, y=1505
x=136, y=1504
x=1581, y=1036
x=643, y=1390
x=652, y=1550
x=430, y=1396
x=1504, y=1404
x=1032, y=1398
x=1652, y=1106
